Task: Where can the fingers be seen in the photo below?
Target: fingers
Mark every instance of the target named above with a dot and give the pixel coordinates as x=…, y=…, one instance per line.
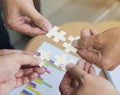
x=27, y=19
x=75, y=44
x=90, y=56
x=93, y=31
x=85, y=43
x=39, y=20
x=88, y=32
x=26, y=79
x=8, y=51
x=27, y=71
x=92, y=71
x=84, y=33
x=23, y=59
x=26, y=26
x=88, y=46
x=65, y=86
x=76, y=72
x=86, y=66
x=28, y=74
x=81, y=64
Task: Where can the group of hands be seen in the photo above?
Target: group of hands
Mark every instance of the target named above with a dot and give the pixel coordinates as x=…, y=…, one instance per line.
x=18, y=67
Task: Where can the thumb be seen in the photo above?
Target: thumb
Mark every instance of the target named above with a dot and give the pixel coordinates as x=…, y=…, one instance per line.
x=76, y=72
x=39, y=20
x=87, y=42
x=89, y=48
x=84, y=34
x=24, y=59
x=84, y=42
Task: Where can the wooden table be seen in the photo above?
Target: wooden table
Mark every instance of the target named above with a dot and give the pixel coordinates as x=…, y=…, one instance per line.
x=73, y=29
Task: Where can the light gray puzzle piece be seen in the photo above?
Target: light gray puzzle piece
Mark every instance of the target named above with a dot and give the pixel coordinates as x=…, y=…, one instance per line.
x=45, y=55
x=61, y=61
x=58, y=36
x=68, y=46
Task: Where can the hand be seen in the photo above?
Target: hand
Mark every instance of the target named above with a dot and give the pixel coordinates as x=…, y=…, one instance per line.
x=101, y=49
x=79, y=81
x=21, y=15
x=17, y=68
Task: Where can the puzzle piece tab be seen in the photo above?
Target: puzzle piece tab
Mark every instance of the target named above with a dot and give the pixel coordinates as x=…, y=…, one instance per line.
x=61, y=61
x=69, y=47
x=45, y=55
x=58, y=36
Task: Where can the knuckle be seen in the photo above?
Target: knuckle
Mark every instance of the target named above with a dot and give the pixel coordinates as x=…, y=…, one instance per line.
x=98, y=41
x=41, y=20
x=84, y=42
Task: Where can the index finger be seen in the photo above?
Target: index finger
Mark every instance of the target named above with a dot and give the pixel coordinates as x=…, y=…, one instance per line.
x=24, y=59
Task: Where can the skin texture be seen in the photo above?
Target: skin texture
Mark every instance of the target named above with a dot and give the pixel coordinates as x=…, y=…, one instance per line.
x=100, y=49
x=17, y=68
x=21, y=15
x=81, y=81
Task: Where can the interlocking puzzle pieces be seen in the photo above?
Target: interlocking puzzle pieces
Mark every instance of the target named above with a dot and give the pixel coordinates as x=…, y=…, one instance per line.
x=61, y=60
x=69, y=47
x=58, y=36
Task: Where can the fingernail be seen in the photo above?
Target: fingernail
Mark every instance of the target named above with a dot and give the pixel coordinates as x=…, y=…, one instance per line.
x=86, y=33
x=38, y=54
x=81, y=64
x=75, y=43
x=46, y=27
x=70, y=66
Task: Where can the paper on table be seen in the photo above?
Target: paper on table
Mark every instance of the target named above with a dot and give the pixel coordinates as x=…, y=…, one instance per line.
x=48, y=83
x=114, y=77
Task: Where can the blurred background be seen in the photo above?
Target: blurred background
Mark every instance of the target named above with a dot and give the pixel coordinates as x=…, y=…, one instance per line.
x=62, y=11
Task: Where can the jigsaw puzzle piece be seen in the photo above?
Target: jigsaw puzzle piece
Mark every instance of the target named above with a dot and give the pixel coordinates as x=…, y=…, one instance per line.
x=58, y=36
x=45, y=55
x=61, y=61
x=69, y=47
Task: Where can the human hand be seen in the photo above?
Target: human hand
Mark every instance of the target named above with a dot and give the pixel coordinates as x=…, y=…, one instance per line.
x=21, y=15
x=81, y=81
x=101, y=49
x=17, y=68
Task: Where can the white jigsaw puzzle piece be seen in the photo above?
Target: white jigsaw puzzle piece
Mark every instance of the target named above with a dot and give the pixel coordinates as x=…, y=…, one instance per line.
x=61, y=61
x=58, y=36
x=41, y=63
x=69, y=47
x=45, y=55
